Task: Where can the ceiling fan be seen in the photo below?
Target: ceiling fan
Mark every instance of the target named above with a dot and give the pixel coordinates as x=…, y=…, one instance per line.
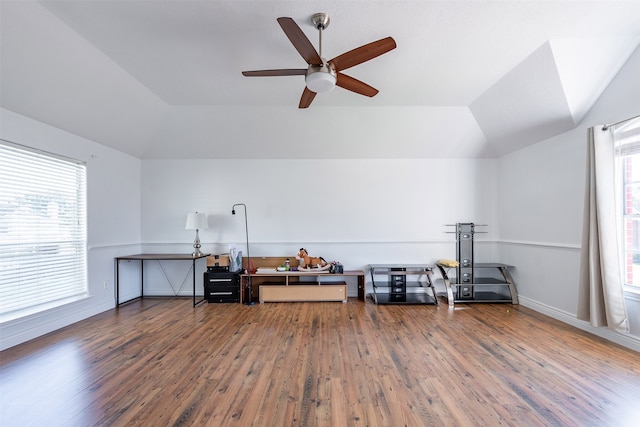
x=322, y=75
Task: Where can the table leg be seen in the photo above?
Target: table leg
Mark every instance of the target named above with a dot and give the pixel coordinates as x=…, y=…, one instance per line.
x=194, y=286
x=117, y=282
x=194, y=282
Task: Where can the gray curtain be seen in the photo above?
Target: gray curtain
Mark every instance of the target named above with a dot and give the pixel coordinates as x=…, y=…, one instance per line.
x=601, y=295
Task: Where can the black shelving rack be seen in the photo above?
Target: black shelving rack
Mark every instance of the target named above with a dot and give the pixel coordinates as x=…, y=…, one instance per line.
x=472, y=281
x=402, y=284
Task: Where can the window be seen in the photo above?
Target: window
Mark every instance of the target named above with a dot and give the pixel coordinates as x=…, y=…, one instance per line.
x=627, y=140
x=43, y=253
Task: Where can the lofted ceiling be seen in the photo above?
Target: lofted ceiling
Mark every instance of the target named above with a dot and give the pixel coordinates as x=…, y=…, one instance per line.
x=162, y=78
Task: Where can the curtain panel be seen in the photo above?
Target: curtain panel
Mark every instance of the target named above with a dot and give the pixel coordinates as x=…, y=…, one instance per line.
x=601, y=294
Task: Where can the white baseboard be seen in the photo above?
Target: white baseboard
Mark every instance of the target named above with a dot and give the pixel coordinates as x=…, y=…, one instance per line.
x=630, y=341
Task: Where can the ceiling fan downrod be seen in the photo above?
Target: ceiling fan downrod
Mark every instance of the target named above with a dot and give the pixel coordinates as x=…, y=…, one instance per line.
x=320, y=21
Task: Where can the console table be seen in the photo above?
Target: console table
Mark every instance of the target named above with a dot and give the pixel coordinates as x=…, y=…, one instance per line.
x=155, y=257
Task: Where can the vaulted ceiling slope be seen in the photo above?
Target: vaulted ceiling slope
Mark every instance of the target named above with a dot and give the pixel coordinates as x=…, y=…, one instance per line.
x=162, y=78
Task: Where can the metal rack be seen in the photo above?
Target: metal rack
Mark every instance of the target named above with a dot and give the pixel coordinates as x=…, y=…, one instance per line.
x=402, y=284
x=476, y=282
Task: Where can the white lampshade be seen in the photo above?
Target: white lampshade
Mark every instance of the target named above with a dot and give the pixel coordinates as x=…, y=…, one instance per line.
x=196, y=221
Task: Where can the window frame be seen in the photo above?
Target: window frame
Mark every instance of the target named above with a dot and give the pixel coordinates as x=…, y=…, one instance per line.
x=627, y=142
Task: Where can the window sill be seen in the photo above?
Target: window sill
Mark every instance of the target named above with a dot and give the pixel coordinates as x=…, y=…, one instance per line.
x=39, y=309
x=632, y=292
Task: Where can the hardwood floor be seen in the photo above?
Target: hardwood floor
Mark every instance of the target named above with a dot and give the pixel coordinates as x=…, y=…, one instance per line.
x=160, y=362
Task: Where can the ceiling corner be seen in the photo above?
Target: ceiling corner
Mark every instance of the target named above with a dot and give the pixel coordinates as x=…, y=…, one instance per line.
x=526, y=105
x=586, y=66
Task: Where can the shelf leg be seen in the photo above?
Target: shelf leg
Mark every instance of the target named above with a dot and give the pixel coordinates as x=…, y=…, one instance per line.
x=512, y=287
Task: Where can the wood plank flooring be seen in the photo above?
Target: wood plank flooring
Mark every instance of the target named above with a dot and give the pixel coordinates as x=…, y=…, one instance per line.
x=160, y=362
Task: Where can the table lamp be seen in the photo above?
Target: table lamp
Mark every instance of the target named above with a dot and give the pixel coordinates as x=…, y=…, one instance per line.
x=196, y=221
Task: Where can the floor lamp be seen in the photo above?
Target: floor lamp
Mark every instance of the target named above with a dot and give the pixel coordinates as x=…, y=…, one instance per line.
x=246, y=228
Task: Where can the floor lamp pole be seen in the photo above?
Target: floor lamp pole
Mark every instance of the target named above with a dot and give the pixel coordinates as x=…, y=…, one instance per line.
x=246, y=229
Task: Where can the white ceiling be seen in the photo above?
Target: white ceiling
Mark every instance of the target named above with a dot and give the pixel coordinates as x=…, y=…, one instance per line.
x=162, y=78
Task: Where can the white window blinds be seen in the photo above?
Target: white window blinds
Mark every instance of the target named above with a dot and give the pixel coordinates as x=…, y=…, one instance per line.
x=42, y=229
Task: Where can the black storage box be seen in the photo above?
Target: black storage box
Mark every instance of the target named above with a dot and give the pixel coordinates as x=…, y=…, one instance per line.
x=221, y=286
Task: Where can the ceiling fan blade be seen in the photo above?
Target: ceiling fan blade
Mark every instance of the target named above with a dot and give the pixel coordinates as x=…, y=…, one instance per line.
x=363, y=53
x=306, y=98
x=355, y=85
x=300, y=41
x=281, y=72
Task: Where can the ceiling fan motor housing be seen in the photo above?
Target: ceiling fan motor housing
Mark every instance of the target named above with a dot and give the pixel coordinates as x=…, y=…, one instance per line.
x=321, y=78
x=320, y=20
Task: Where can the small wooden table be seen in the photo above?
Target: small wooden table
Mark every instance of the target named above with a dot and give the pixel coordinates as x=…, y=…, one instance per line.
x=155, y=257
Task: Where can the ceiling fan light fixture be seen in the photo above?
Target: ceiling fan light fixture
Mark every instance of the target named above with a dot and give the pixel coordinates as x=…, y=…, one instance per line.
x=320, y=79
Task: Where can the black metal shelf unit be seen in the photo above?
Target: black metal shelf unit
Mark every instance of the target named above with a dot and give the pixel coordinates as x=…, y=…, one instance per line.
x=402, y=284
x=476, y=282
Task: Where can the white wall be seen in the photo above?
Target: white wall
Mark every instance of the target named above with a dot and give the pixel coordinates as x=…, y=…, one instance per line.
x=353, y=211
x=541, y=192
x=113, y=210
